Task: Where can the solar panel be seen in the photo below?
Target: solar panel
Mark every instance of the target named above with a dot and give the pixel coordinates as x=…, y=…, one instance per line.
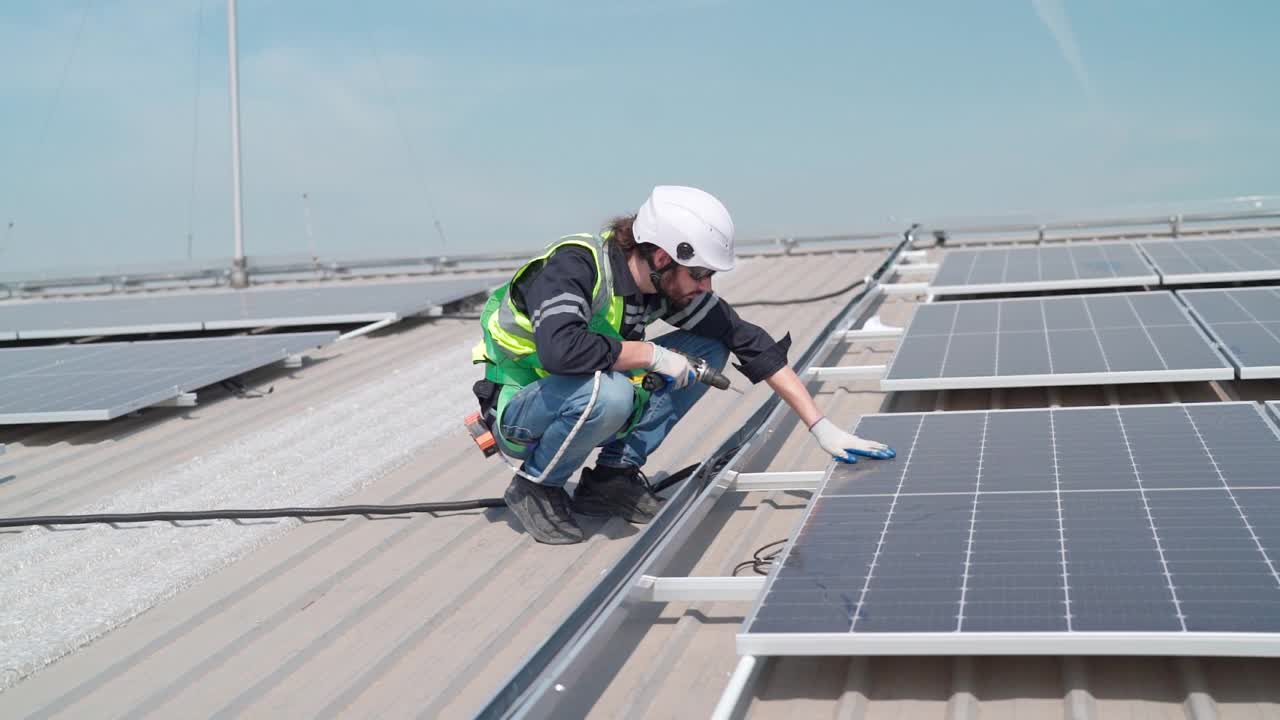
x=1063, y=340
x=228, y=309
x=1057, y=267
x=1246, y=324
x=69, y=383
x=1180, y=262
x=1101, y=530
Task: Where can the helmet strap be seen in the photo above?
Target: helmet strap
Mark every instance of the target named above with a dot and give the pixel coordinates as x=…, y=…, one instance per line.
x=655, y=274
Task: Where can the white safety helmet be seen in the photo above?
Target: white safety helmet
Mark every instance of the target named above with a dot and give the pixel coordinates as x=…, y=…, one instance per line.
x=691, y=225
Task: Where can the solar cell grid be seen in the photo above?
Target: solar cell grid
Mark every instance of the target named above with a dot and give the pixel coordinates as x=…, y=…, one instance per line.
x=1246, y=324
x=1083, y=526
x=230, y=309
x=1181, y=262
x=68, y=383
x=1067, y=340
x=1017, y=269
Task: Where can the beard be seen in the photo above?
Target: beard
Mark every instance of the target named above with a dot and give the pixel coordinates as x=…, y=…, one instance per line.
x=669, y=290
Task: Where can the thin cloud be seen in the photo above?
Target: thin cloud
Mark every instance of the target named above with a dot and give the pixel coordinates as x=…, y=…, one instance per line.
x=1054, y=16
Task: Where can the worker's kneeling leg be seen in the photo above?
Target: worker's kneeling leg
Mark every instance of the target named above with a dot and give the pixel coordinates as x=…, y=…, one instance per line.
x=666, y=407
x=545, y=413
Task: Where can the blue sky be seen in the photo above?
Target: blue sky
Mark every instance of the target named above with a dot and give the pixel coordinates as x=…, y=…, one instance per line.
x=516, y=122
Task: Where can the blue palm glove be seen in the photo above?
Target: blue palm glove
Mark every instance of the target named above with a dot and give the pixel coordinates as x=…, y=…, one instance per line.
x=846, y=447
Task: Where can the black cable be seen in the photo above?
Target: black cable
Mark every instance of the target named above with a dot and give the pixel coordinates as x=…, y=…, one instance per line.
x=672, y=479
x=257, y=514
x=297, y=512
x=761, y=560
x=237, y=388
x=800, y=301
x=754, y=303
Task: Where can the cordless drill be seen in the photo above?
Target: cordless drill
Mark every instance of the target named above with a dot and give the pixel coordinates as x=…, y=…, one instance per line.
x=702, y=372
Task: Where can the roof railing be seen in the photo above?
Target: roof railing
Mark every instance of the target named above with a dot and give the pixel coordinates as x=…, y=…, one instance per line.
x=292, y=269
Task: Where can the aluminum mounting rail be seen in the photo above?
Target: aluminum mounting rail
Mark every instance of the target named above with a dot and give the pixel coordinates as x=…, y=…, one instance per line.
x=915, y=268
x=904, y=288
x=846, y=372
x=698, y=589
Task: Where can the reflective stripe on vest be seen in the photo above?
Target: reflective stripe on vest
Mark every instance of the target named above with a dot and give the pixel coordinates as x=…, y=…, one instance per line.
x=509, y=349
x=512, y=331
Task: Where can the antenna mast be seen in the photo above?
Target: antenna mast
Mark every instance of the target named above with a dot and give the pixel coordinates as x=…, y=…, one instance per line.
x=239, y=266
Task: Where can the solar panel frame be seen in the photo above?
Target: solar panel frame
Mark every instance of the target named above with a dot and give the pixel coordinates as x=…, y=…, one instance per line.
x=1139, y=272
x=232, y=309
x=1183, y=262
x=907, y=344
x=90, y=389
x=1224, y=332
x=1274, y=406
x=1181, y=642
x=295, y=321
x=104, y=330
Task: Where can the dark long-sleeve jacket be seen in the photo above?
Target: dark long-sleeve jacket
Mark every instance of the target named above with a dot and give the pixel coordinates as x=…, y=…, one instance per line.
x=557, y=296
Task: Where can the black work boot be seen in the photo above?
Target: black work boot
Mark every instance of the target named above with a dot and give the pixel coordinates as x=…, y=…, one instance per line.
x=543, y=511
x=616, y=491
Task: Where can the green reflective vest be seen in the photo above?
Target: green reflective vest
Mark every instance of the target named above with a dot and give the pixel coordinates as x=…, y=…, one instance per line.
x=508, y=350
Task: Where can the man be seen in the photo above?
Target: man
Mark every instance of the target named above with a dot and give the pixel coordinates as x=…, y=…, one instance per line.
x=563, y=349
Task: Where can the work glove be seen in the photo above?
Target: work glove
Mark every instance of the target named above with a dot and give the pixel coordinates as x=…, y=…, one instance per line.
x=845, y=447
x=673, y=366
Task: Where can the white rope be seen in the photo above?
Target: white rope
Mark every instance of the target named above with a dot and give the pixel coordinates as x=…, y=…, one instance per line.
x=595, y=393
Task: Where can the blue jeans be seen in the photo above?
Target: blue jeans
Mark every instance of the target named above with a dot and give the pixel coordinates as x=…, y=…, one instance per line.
x=543, y=413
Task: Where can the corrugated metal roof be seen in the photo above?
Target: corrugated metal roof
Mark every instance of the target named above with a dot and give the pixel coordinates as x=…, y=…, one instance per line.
x=426, y=616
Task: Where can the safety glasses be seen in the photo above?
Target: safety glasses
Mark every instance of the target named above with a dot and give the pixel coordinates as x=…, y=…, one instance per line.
x=700, y=273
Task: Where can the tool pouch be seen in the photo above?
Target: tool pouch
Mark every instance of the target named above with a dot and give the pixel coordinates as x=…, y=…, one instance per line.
x=490, y=396
x=486, y=393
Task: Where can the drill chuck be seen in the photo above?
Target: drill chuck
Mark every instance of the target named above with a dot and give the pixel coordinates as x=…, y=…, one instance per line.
x=702, y=372
x=709, y=376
